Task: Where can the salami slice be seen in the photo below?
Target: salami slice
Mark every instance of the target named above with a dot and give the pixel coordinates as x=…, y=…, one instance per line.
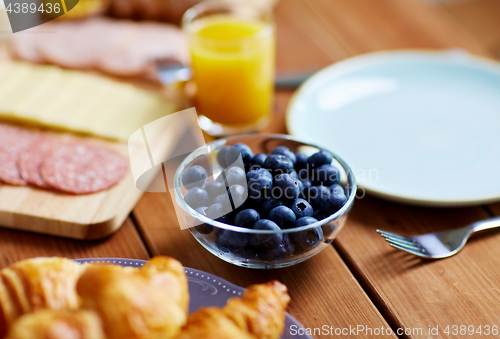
x=81, y=169
x=13, y=141
x=30, y=160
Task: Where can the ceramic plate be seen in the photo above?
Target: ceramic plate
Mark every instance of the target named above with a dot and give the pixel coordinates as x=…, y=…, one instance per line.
x=416, y=127
x=206, y=290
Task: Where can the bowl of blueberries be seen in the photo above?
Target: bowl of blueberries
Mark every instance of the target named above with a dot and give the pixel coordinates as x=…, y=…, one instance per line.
x=264, y=200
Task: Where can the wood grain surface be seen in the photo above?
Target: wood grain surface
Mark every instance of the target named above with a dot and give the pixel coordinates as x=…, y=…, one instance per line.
x=480, y=18
x=17, y=245
x=415, y=293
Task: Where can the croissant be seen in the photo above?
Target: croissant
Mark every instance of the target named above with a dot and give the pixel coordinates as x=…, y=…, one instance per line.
x=212, y=323
x=168, y=274
x=259, y=313
x=54, y=324
x=37, y=284
x=137, y=304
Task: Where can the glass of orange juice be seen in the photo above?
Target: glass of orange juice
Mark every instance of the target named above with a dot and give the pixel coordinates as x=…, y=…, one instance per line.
x=232, y=47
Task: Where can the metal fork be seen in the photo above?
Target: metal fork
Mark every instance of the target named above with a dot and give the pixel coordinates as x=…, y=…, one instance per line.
x=438, y=245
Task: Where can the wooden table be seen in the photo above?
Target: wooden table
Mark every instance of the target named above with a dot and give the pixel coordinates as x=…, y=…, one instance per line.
x=360, y=282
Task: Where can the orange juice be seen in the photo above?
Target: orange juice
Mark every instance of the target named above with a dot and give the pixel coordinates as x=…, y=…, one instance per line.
x=233, y=68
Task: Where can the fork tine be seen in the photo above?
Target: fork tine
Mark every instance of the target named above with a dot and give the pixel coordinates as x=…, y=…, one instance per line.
x=392, y=235
x=417, y=253
x=402, y=244
x=400, y=240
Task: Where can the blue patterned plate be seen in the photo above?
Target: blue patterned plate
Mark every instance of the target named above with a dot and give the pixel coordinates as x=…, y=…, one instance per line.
x=207, y=290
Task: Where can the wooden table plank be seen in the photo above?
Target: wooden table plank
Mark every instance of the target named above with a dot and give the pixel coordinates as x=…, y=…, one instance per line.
x=480, y=18
x=323, y=290
x=461, y=290
x=363, y=26
x=17, y=245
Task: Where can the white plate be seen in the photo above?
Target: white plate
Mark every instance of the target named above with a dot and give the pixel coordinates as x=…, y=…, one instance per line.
x=415, y=127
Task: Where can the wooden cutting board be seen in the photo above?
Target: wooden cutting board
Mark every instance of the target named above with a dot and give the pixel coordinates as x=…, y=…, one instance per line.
x=90, y=216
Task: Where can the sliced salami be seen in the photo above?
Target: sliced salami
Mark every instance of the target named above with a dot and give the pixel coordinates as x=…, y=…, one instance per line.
x=30, y=160
x=13, y=141
x=81, y=169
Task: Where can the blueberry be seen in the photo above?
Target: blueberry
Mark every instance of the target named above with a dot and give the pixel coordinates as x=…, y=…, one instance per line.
x=236, y=176
x=202, y=210
x=231, y=240
x=246, y=218
x=326, y=175
x=258, y=160
x=259, y=172
x=301, y=162
x=334, y=202
x=303, y=174
x=196, y=197
x=260, y=184
x=221, y=156
x=302, y=208
x=304, y=221
x=222, y=199
x=285, y=188
x=268, y=205
x=282, y=216
x=308, y=239
x=336, y=188
x=328, y=229
x=278, y=164
x=266, y=239
x=301, y=186
x=220, y=179
x=219, y=212
x=215, y=188
x=279, y=252
x=315, y=195
x=285, y=151
x=238, y=194
x=249, y=252
x=203, y=228
x=194, y=177
x=294, y=174
x=305, y=185
x=226, y=219
x=233, y=153
x=319, y=215
x=246, y=152
x=320, y=158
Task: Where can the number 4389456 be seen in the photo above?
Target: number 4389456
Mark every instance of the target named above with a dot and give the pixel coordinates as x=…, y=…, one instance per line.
x=33, y=8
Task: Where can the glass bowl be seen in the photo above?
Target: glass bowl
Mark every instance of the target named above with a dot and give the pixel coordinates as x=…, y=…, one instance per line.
x=245, y=253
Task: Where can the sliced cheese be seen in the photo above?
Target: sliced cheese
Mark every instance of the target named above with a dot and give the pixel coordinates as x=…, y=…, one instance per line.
x=76, y=101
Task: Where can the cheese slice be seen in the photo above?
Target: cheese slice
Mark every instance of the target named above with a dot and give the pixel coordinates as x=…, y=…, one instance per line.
x=76, y=101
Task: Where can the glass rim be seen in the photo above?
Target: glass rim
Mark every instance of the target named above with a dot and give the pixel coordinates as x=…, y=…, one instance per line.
x=189, y=18
x=340, y=213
